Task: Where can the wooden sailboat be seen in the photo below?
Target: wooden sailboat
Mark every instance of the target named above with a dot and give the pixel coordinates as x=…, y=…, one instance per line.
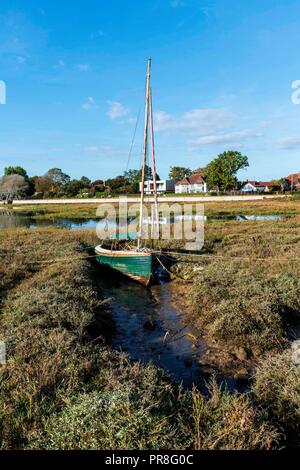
x=136, y=262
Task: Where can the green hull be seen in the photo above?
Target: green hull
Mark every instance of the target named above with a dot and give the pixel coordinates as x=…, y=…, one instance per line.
x=137, y=267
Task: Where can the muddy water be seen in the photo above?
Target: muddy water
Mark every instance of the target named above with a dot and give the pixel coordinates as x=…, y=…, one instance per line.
x=150, y=329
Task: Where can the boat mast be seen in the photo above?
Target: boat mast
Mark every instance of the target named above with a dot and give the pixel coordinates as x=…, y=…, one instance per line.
x=144, y=151
x=155, y=219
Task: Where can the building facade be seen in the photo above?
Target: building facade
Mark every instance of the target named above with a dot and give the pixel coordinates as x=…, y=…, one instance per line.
x=163, y=186
x=191, y=184
x=258, y=187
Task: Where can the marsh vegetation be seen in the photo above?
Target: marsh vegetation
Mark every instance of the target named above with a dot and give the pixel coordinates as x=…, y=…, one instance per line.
x=64, y=387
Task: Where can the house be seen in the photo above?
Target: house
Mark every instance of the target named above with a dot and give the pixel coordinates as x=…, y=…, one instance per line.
x=258, y=187
x=191, y=184
x=292, y=182
x=162, y=186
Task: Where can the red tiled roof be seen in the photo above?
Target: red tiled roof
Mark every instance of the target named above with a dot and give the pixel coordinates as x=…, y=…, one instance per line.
x=185, y=181
x=295, y=177
x=193, y=179
x=268, y=184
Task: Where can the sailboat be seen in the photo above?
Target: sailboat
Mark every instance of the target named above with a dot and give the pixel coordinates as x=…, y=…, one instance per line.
x=136, y=261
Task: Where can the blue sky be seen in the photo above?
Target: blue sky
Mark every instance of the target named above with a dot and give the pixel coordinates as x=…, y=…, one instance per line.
x=221, y=75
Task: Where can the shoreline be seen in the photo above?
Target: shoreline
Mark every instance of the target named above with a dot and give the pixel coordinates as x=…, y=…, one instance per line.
x=136, y=199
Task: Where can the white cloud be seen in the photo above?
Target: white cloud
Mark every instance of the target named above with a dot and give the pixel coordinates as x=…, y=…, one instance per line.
x=116, y=110
x=289, y=143
x=200, y=121
x=205, y=126
x=235, y=138
x=83, y=67
x=90, y=103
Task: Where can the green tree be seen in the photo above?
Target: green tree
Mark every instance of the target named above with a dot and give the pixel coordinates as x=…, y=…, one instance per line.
x=86, y=182
x=200, y=171
x=73, y=187
x=133, y=178
x=131, y=175
x=221, y=172
x=56, y=175
x=179, y=172
x=15, y=170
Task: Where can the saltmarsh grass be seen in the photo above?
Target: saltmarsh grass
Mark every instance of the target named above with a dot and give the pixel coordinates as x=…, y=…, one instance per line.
x=276, y=389
x=248, y=288
x=63, y=388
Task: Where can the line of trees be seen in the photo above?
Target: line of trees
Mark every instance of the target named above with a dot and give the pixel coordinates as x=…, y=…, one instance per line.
x=15, y=183
x=220, y=175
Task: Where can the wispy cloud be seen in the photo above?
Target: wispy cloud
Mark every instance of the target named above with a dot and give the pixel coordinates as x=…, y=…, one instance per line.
x=200, y=121
x=91, y=148
x=289, y=143
x=235, y=138
x=102, y=150
x=116, y=110
x=83, y=67
x=21, y=59
x=89, y=104
x=18, y=36
x=97, y=34
x=205, y=126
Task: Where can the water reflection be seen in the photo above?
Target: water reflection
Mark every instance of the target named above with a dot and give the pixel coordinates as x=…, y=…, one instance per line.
x=10, y=219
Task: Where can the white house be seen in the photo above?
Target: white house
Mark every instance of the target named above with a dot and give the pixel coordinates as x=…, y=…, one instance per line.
x=257, y=187
x=191, y=184
x=163, y=186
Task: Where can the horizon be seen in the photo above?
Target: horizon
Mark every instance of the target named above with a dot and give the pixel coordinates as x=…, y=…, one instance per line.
x=75, y=80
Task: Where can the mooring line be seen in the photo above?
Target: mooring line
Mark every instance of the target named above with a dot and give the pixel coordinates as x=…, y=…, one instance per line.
x=203, y=256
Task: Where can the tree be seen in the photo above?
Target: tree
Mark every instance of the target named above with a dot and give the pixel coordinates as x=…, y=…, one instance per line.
x=131, y=175
x=86, y=182
x=134, y=177
x=42, y=184
x=15, y=170
x=12, y=186
x=58, y=176
x=73, y=187
x=53, y=183
x=179, y=172
x=97, y=187
x=114, y=184
x=221, y=172
x=200, y=171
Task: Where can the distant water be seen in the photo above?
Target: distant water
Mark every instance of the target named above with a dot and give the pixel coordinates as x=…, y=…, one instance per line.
x=9, y=219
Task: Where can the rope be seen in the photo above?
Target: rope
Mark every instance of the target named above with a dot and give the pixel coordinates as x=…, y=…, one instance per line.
x=238, y=258
x=229, y=258
x=133, y=139
x=163, y=265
